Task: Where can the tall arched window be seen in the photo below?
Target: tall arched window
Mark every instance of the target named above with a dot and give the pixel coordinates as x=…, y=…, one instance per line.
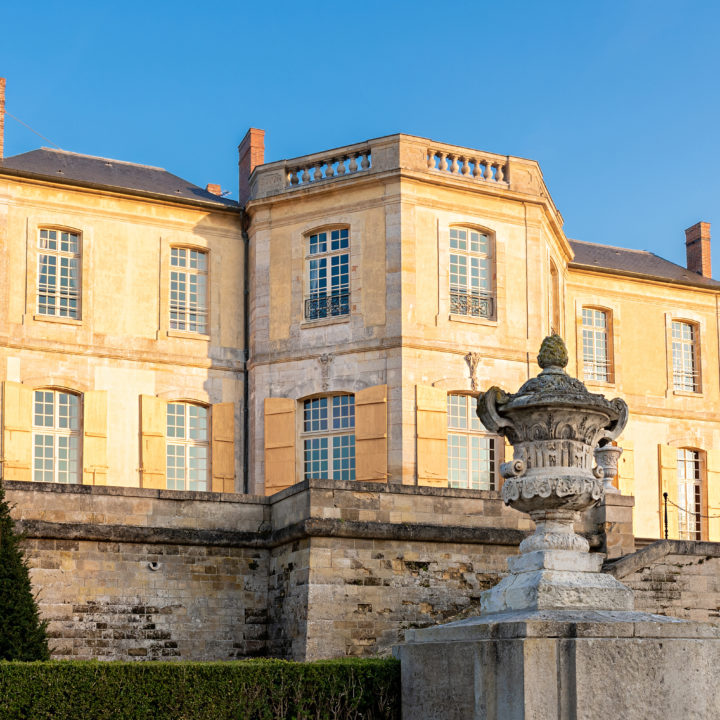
x=689, y=494
x=327, y=270
x=56, y=436
x=58, y=280
x=188, y=446
x=554, y=299
x=473, y=453
x=471, y=271
x=597, y=360
x=329, y=437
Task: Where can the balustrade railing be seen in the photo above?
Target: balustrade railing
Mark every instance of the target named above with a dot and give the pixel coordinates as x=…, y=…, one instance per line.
x=323, y=306
x=328, y=166
x=474, y=166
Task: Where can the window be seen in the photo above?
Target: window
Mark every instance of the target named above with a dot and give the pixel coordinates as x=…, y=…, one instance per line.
x=689, y=494
x=596, y=356
x=329, y=437
x=58, y=283
x=684, y=355
x=56, y=436
x=328, y=274
x=470, y=273
x=188, y=290
x=472, y=453
x=554, y=299
x=188, y=447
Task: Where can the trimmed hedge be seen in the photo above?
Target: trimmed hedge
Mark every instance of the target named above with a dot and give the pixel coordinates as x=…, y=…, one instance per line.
x=360, y=689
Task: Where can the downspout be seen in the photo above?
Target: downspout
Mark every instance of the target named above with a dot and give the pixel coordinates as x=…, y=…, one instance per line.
x=246, y=353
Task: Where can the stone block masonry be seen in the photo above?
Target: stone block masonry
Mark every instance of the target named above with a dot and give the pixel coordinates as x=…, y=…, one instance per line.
x=322, y=569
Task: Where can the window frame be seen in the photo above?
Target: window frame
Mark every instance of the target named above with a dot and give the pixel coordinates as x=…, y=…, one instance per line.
x=696, y=372
x=57, y=433
x=59, y=255
x=186, y=443
x=609, y=378
x=496, y=448
x=306, y=436
x=688, y=530
x=318, y=307
x=186, y=310
x=488, y=295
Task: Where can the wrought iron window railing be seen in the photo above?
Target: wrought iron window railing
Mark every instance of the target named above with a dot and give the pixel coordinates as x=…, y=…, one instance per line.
x=463, y=302
x=323, y=306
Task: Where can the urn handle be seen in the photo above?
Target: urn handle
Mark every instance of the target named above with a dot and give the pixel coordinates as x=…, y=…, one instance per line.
x=487, y=411
x=615, y=428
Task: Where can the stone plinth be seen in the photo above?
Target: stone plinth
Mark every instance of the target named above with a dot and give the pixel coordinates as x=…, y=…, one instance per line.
x=561, y=664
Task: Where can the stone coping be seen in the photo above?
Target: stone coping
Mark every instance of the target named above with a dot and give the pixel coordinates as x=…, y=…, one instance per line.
x=649, y=555
x=564, y=624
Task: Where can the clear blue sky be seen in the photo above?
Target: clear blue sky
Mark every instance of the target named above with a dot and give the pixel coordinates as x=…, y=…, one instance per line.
x=618, y=101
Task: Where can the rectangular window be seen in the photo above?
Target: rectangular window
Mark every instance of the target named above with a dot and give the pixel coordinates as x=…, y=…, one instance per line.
x=329, y=443
x=328, y=274
x=472, y=452
x=596, y=356
x=470, y=273
x=188, y=447
x=58, y=289
x=689, y=494
x=684, y=355
x=188, y=290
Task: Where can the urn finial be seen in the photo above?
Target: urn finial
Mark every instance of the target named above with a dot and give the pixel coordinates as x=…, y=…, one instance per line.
x=553, y=352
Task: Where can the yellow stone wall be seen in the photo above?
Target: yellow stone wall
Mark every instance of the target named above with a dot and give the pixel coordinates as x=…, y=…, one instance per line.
x=121, y=348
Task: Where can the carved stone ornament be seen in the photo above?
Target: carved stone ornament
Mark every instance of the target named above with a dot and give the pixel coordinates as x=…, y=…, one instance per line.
x=325, y=361
x=555, y=425
x=472, y=359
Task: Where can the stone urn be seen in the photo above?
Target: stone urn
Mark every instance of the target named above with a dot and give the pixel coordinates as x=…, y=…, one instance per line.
x=554, y=425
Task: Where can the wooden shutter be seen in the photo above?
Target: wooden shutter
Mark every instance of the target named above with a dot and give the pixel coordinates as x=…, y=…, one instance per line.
x=223, y=447
x=713, y=494
x=17, y=408
x=432, y=462
x=371, y=434
x=153, y=422
x=279, y=444
x=94, y=452
x=626, y=469
x=667, y=463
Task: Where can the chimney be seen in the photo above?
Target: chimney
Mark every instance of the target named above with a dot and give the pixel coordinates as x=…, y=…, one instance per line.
x=697, y=245
x=2, y=117
x=213, y=188
x=252, y=153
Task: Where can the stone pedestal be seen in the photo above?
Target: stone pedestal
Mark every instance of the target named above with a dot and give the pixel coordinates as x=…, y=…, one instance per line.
x=564, y=665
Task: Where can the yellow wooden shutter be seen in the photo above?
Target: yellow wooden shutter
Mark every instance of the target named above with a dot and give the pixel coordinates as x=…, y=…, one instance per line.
x=94, y=452
x=667, y=462
x=17, y=431
x=371, y=434
x=279, y=444
x=713, y=494
x=223, y=447
x=431, y=436
x=626, y=469
x=153, y=422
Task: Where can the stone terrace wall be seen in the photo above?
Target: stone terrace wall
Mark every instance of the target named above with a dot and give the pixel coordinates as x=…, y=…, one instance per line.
x=128, y=573
x=322, y=569
x=674, y=577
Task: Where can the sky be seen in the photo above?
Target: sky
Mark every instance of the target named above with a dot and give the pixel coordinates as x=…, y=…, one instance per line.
x=619, y=101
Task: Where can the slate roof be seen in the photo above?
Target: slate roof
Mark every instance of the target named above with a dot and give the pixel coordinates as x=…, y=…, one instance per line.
x=635, y=262
x=60, y=165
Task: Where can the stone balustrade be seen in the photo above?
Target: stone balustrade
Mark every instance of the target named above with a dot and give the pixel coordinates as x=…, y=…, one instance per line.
x=326, y=166
x=468, y=164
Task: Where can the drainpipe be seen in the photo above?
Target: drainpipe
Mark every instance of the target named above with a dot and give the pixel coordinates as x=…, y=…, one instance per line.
x=246, y=354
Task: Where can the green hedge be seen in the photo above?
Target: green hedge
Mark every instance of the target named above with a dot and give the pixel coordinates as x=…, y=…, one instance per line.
x=244, y=690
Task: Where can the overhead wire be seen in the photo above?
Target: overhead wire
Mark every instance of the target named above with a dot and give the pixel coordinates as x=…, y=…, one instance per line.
x=17, y=119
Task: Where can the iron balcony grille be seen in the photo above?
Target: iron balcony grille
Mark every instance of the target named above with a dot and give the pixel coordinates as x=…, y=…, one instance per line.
x=463, y=302
x=323, y=306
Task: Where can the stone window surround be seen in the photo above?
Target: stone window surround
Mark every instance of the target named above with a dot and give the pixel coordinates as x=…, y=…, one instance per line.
x=443, y=249
x=614, y=317
x=166, y=246
x=353, y=252
x=610, y=345
x=699, y=324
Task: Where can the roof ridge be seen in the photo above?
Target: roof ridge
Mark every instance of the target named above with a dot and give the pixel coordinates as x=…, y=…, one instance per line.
x=619, y=247
x=99, y=157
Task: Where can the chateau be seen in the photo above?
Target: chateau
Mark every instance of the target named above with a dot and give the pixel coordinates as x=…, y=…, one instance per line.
x=311, y=353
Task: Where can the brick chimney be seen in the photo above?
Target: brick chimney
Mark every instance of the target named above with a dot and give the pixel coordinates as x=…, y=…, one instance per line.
x=697, y=245
x=2, y=117
x=251, y=154
x=213, y=188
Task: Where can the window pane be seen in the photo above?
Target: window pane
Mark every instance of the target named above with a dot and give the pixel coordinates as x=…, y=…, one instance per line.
x=316, y=415
x=343, y=457
x=176, y=420
x=197, y=422
x=316, y=457
x=343, y=412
